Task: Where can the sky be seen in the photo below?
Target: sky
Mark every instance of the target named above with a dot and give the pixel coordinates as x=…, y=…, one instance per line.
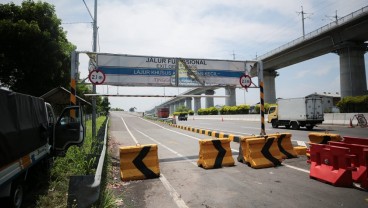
x=206, y=29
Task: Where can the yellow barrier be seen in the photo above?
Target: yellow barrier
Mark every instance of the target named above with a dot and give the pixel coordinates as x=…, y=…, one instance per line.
x=207, y=132
x=222, y=135
x=139, y=162
x=300, y=150
x=259, y=152
x=323, y=138
x=285, y=146
x=215, y=153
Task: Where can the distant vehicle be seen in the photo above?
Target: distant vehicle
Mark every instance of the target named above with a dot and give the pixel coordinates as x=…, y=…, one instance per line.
x=162, y=112
x=182, y=117
x=297, y=112
x=29, y=135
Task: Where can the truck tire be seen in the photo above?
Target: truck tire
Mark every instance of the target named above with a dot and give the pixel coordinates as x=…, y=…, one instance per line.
x=287, y=126
x=274, y=124
x=295, y=126
x=16, y=194
x=309, y=127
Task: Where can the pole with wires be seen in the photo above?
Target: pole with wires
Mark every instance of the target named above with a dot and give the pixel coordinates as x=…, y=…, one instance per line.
x=94, y=86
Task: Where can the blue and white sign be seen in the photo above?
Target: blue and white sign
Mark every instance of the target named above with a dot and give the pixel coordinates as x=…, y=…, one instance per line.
x=129, y=70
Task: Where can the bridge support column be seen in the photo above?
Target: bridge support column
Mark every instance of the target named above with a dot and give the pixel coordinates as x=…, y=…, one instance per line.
x=172, y=109
x=269, y=88
x=209, y=100
x=197, y=104
x=352, y=69
x=188, y=103
x=177, y=104
x=231, y=100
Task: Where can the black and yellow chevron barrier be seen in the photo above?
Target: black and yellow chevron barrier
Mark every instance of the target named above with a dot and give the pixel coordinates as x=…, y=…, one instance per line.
x=139, y=162
x=215, y=153
x=284, y=144
x=259, y=152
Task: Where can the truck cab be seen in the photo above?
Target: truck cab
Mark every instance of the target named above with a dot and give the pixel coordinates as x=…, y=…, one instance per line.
x=30, y=134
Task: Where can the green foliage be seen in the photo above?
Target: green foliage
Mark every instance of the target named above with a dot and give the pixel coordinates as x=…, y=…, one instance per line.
x=34, y=52
x=75, y=162
x=240, y=109
x=191, y=112
x=182, y=108
x=266, y=107
x=353, y=104
x=208, y=111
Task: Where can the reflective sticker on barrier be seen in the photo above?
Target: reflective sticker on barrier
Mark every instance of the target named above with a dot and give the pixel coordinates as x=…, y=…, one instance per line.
x=138, y=162
x=266, y=152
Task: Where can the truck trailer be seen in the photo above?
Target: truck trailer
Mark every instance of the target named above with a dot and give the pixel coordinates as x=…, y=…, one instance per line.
x=30, y=134
x=297, y=112
x=162, y=112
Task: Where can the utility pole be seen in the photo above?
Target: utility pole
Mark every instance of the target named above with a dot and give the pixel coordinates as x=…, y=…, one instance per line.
x=303, y=18
x=94, y=86
x=233, y=55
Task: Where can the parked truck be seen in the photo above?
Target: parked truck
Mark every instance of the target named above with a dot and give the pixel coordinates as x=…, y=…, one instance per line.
x=30, y=134
x=297, y=112
x=162, y=112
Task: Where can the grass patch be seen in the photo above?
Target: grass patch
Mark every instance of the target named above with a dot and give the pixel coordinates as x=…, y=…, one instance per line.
x=76, y=162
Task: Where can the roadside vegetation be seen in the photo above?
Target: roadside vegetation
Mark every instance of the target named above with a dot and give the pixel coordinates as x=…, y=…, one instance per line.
x=231, y=110
x=353, y=104
x=76, y=162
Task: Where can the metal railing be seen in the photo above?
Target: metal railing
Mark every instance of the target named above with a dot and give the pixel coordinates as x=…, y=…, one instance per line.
x=328, y=27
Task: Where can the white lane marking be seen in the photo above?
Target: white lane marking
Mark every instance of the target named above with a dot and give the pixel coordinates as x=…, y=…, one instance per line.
x=176, y=197
x=296, y=168
x=168, y=148
x=135, y=140
x=288, y=166
x=178, y=132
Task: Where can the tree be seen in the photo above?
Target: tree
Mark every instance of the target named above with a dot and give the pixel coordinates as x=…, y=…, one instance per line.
x=34, y=51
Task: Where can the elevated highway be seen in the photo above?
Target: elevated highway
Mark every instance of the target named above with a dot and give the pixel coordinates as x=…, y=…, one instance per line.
x=346, y=37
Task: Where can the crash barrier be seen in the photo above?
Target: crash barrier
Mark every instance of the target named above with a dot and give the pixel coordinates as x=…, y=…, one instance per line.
x=84, y=190
x=284, y=144
x=259, y=151
x=300, y=150
x=331, y=164
x=355, y=140
x=139, y=162
x=322, y=138
x=359, y=161
x=215, y=153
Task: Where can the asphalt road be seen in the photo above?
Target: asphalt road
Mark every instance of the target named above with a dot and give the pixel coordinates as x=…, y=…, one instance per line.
x=183, y=184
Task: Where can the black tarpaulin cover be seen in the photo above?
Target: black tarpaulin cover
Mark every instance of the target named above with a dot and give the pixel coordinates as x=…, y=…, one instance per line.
x=23, y=125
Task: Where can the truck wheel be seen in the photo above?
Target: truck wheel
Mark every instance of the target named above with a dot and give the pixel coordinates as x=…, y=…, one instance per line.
x=274, y=124
x=309, y=127
x=16, y=197
x=295, y=126
x=287, y=126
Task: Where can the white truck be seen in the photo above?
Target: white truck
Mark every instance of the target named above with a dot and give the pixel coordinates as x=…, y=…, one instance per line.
x=30, y=134
x=297, y=112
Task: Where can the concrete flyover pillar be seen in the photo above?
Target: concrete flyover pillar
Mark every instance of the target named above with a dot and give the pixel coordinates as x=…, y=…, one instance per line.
x=269, y=88
x=352, y=69
x=172, y=108
x=209, y=100
x=188, y=103
x=231, y=100
x=176, y=106
x=197, y=104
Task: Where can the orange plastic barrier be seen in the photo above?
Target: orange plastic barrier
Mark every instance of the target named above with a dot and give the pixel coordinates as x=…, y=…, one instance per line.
x=331, y=164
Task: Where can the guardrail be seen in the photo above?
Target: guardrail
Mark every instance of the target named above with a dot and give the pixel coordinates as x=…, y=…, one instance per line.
x=330, y=118
x=317, y=32
x=85, y=190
